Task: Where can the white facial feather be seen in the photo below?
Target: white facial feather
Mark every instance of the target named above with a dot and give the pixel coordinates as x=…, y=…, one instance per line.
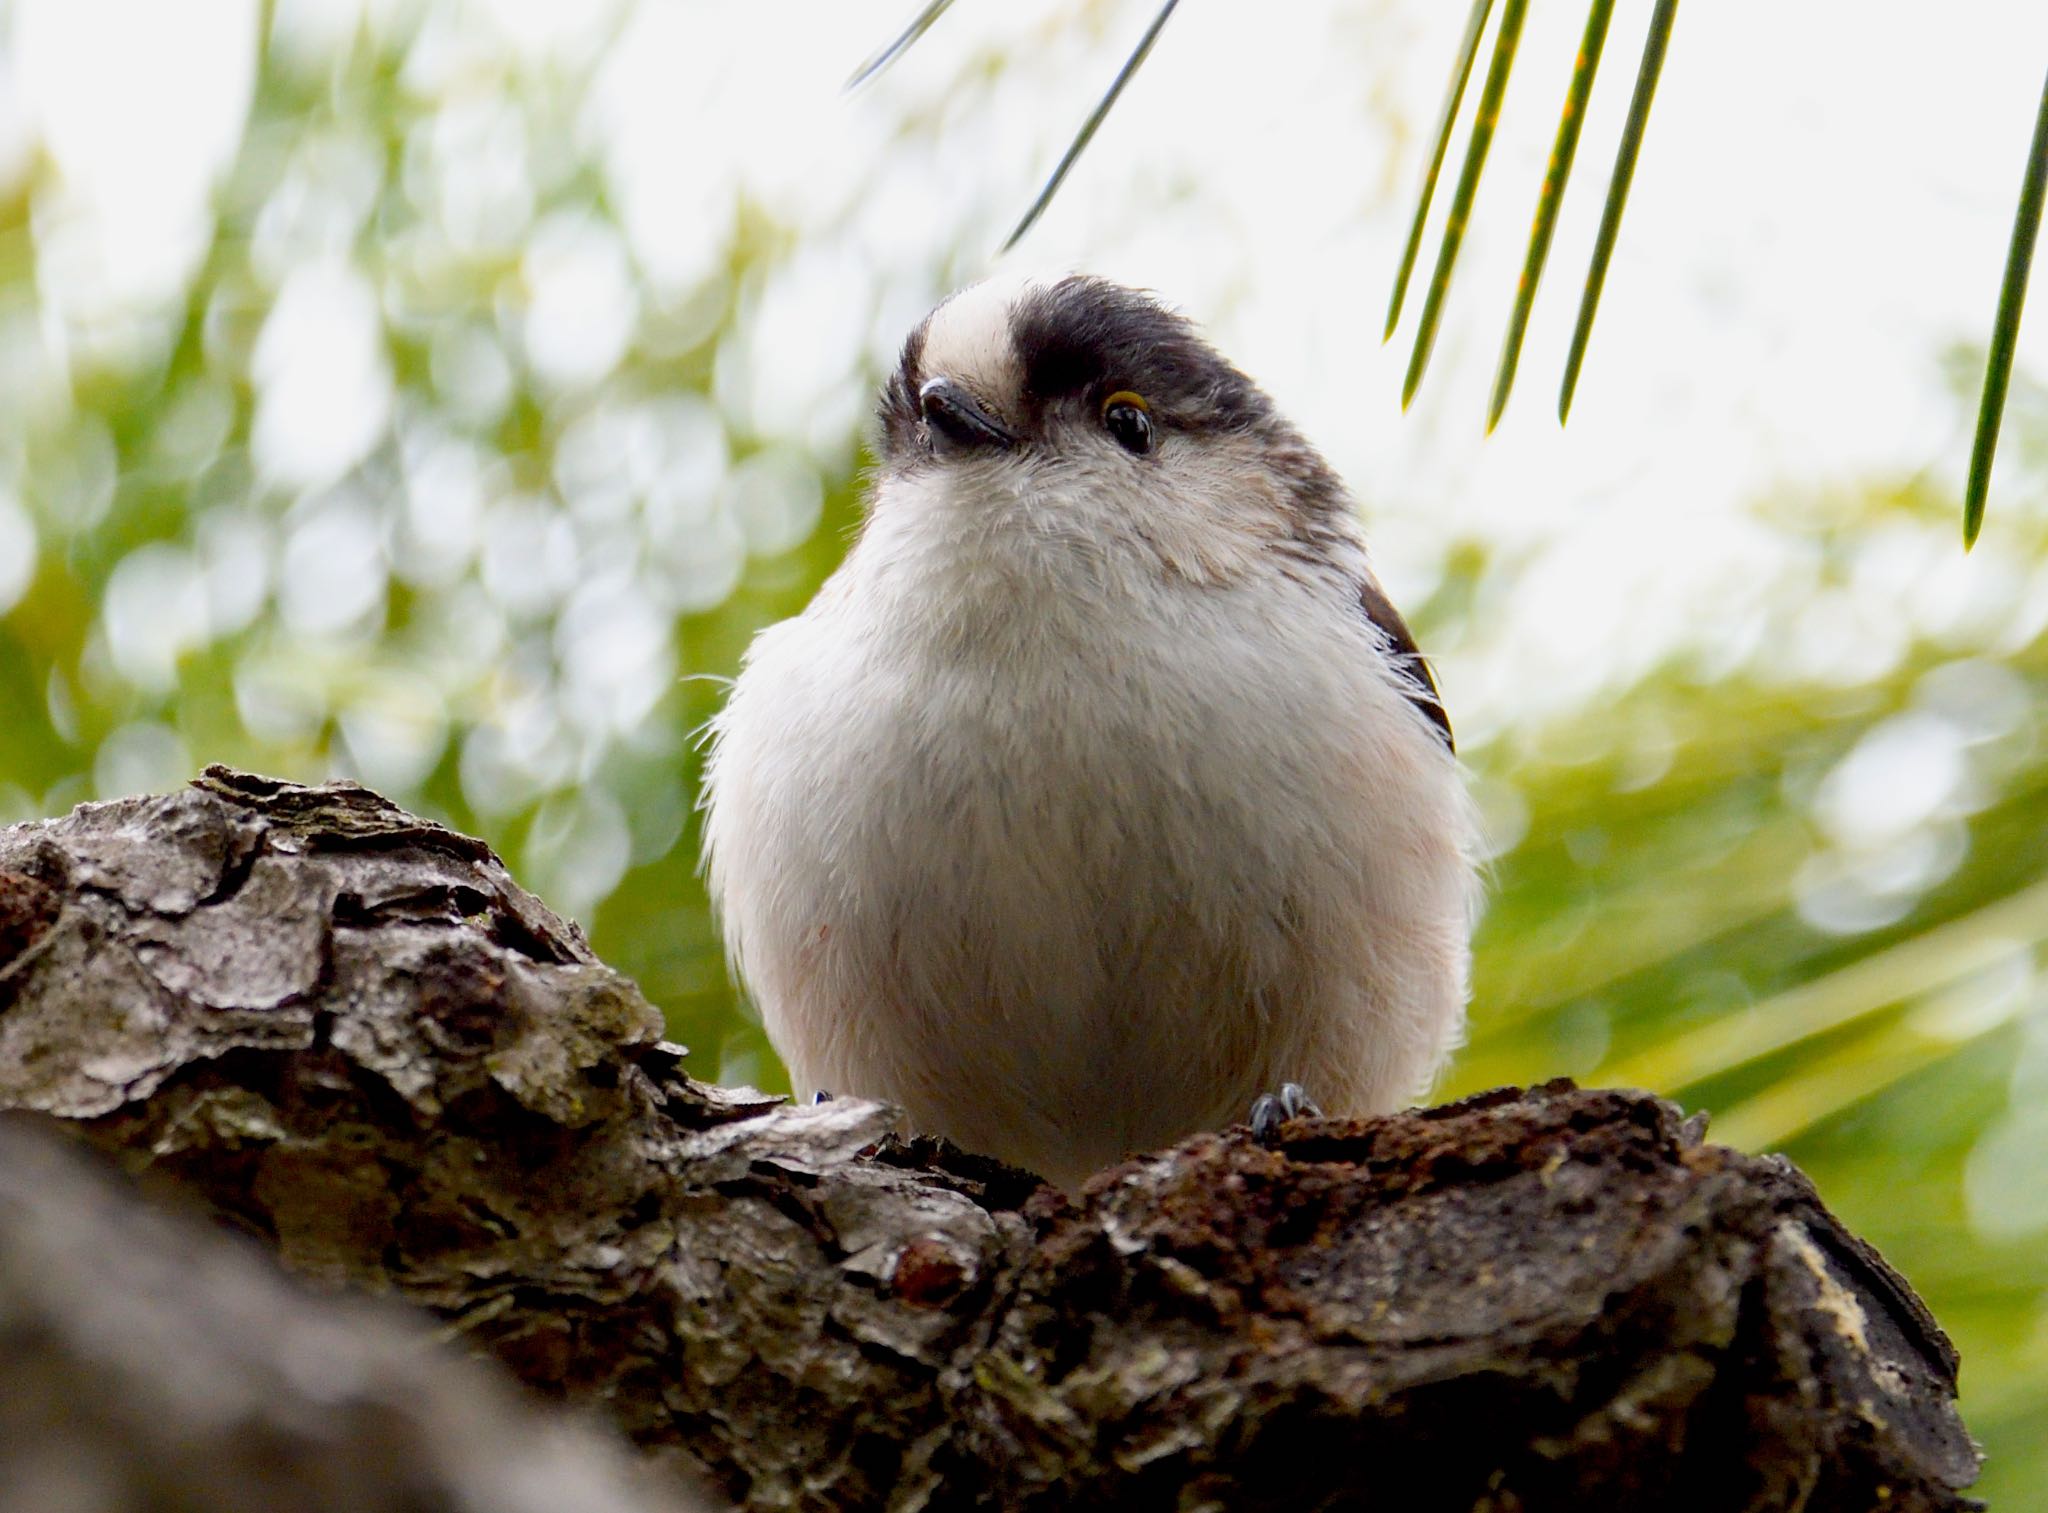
x=968, y=338
x=1071, y=815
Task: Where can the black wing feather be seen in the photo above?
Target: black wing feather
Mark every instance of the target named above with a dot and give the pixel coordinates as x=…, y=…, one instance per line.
x=1408, y=659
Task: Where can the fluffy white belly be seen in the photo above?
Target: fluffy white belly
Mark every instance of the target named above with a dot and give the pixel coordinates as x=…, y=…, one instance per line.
x=1065, y=884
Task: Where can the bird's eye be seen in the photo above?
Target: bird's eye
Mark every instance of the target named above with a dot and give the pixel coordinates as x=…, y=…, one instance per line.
x=1126, y=417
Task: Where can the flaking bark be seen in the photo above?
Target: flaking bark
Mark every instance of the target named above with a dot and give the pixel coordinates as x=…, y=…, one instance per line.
x=349, y=1033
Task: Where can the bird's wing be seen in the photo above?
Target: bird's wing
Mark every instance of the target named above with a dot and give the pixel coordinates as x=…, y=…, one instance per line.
x=1409, y=665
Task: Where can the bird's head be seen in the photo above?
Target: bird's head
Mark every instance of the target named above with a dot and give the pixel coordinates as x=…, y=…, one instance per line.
x=1080, y=388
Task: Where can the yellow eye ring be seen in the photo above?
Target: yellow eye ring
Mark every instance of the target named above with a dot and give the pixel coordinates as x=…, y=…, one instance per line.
x=1125, y=397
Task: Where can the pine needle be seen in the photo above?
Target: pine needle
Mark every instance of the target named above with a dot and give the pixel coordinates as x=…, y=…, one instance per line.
x=1548, y=202
x=2005, y=328
x=1625, y=157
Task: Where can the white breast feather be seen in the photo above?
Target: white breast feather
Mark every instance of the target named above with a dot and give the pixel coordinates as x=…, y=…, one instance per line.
x=1068, y=857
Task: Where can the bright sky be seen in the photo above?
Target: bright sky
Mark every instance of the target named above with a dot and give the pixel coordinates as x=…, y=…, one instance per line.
x=1822, y=208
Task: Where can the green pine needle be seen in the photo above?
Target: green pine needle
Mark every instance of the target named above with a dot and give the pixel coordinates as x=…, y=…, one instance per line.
x=1467, y=51
x=2005, y=329
x=1617, y=195
x=1483, y=124
x=1092, y=124
x=1548, y=202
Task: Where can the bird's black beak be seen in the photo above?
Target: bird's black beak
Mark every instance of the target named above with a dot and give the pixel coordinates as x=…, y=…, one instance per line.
x=957, y=421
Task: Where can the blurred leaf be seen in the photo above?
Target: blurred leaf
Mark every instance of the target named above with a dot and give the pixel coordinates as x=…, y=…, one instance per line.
x=1090, y=126
x=2005, y=328
x=1483, y=124
x=1461, y=73
x=1920, y=965
x=1549, y=199
x=1617, y=195
x=1825, y=1085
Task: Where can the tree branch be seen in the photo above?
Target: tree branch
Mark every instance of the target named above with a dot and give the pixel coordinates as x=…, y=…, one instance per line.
x=149, y=1362
x=350, y=1034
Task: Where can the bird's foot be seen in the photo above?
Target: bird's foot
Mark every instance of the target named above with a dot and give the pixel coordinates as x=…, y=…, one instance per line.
x=1271, y=1110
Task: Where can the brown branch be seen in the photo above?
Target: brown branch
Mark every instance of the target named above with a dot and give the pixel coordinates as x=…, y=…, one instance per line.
x=351, y=1034
x=149, y=1362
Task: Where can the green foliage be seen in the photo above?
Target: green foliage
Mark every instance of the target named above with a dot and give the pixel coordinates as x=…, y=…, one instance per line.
x=1796, y=881
x=1815, y=909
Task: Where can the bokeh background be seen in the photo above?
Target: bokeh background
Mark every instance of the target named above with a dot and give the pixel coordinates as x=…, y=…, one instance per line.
x=441, y=392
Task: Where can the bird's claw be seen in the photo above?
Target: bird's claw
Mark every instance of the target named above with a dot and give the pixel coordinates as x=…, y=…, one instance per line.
x=1271, y=1110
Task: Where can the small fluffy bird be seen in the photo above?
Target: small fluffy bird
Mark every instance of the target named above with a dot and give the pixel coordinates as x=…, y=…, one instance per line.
x=1101, y=789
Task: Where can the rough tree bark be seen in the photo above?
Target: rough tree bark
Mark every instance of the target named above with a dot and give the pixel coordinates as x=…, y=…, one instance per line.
x=151, y=1364
x=347, y=1032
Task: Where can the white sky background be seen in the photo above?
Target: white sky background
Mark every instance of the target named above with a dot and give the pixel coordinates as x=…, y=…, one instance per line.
x=1822, y=207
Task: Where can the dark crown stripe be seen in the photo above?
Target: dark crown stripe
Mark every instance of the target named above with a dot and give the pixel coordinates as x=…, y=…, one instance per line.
x=1086, y=333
